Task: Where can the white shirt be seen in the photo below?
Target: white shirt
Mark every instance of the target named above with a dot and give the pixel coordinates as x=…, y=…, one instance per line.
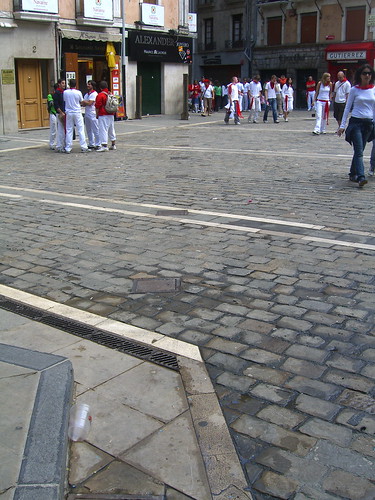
x=208, y=92
x=72, y=99
x=255, y=88
x=342, y=90
x=361, y=102
x=233, y=91
x=240, y=87
x=287, y=91
x=90, y=110
x=324, y=91
x=271, y=92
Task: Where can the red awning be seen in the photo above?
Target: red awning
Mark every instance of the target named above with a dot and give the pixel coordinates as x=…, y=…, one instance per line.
x=338, y=47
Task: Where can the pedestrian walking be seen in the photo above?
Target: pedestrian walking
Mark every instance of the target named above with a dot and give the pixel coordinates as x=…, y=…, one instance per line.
x=73, y=99
x=340, y=96
x=287, y=93
x=106, y=120
x=361, y=104
x=270, y=98
x=59, y=105
x=233, y=104
x=91, y=122
x=208, y=95
x=52, y=119
x=310, y=94
x=322, y=99
x=255, y=93
x=218, y=95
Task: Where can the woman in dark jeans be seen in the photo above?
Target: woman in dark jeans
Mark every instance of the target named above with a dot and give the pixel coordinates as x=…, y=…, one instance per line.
x=361, y=104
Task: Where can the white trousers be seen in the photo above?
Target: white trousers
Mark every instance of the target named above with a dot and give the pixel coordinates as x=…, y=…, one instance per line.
x=52, y=130
x=60, y=141
x=321, y=121
x=92, y=129
x=254, y=108
x=75, y=119
x=106, y=128
x=310, y=98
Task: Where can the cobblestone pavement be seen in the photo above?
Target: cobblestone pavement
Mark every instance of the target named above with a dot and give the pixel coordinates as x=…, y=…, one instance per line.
x=275, y=251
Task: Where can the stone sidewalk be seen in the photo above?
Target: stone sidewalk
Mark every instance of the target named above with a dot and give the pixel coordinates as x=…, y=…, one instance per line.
x=270, y=251
x=142, y=440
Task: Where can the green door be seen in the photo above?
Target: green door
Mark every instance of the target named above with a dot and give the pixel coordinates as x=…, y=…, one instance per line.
x=151, y=87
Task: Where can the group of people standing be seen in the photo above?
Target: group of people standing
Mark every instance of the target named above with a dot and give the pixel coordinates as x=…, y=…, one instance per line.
x=276, y=95
x=65, y=106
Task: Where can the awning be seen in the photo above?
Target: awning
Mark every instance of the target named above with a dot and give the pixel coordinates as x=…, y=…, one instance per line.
x=97, y=36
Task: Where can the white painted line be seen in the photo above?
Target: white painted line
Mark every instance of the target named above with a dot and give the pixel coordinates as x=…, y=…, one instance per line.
x=20, y=148
x=6, y=195
x=339, y=242
x=130, y=332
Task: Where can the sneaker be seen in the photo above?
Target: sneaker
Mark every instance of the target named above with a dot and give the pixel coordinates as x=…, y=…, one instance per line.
x=265, y=121
x=255, y=121
x=353, y=178
x=101, y=149
x=277, y=121
x=313, y=115
x=237, y=123
x=286, y=119
x=371, y=172
x=315, y=132
x=52, y=148
x=323, y=132
x=113, y=147
x=66, y=151
x=362, y=182
x=86, y=150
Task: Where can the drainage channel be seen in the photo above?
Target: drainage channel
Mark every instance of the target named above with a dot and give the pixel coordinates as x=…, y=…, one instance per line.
x=88, y=496
x=92, y=333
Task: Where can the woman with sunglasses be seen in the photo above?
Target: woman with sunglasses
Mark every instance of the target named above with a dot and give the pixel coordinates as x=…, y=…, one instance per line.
x=361, y=104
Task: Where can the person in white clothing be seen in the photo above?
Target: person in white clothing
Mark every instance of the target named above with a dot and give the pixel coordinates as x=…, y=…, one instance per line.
x=254, y=93
x=240, y=94
x=361, y=105
x=322, y=100
x=208, y=94
x=72, y=100
x=233, y=104
x=91, y=122
x=106, y=120
x=287, y=93
x=245, y=101
x=340, y=96
x=270, y=97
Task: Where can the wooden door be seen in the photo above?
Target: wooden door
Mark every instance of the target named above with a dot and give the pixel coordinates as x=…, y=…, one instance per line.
x=30, y=95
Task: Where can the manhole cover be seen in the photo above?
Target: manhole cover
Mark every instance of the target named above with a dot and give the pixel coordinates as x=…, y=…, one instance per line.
x=146, y=285
x=172, y=212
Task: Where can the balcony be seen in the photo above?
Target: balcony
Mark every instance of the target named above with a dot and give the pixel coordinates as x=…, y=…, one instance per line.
x=206, y=47
x=234, y=44
x=202, y=4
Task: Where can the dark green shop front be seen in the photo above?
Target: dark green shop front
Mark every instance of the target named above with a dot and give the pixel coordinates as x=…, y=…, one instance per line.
x=150, y=49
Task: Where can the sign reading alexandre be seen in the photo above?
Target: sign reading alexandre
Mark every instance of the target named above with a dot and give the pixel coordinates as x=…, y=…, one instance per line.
x=159, y=47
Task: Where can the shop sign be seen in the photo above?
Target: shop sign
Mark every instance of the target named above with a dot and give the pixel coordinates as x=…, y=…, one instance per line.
x=192, y=22
x=7, y=76
x=98, y=9
x=152, y=14
x=48, y=6
x=159, y=47
x=348, y=55
x=371, y=20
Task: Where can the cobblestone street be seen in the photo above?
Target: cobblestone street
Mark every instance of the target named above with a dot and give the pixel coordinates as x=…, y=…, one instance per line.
x=275, y=251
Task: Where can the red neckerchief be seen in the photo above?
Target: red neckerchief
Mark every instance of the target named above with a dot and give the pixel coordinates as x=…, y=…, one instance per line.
x=365, y=87
x=91, y=92
x=272, y=85
x=60, y=90
x=344, y=80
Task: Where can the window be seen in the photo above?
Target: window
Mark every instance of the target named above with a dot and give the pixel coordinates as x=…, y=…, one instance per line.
x=274, y=30
x=355, y=24
x=208, y=33
x=308, y=27
x=237, y=30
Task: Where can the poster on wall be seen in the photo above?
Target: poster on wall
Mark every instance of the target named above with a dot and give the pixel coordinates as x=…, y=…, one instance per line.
x=48, y=6
x=152, y=14
x=98, y=9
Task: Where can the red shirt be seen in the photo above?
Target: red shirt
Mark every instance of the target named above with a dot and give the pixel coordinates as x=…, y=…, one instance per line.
x=100, y=101
x=310, y=86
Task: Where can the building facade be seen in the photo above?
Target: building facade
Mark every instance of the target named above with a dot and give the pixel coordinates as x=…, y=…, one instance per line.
x=115, y=40
x=297, y=38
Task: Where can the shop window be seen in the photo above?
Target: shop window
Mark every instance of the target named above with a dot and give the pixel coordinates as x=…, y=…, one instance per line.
x=237, y=30
x=355, y=24
x=308, y=27
x=274, y=25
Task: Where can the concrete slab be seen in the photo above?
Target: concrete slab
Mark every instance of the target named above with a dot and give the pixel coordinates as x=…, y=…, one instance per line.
x=86, y=355
x=115, y=427
x=150, y=389
x=175, y=444
x=86, y=460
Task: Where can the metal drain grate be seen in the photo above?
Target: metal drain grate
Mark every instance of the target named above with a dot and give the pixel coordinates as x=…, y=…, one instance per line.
x=104, y=496
x=92, y=333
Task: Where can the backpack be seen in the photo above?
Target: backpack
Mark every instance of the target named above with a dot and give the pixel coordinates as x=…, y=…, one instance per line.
x=112, y=103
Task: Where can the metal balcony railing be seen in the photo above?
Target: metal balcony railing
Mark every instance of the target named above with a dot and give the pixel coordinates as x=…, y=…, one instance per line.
x=206, y=47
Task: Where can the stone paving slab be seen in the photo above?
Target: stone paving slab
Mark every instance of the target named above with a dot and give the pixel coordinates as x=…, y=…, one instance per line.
x=283, y=313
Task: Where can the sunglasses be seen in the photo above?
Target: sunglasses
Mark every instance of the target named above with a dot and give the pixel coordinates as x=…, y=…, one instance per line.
x=366, y=73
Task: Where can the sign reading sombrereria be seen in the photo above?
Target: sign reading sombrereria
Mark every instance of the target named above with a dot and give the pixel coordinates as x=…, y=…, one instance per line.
x=159, y=47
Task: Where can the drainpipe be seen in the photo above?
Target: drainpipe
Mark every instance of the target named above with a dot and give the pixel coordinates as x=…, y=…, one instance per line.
x=123, y=72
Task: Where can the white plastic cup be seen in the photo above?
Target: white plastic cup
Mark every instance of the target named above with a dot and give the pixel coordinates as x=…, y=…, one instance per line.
x=79, y=422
